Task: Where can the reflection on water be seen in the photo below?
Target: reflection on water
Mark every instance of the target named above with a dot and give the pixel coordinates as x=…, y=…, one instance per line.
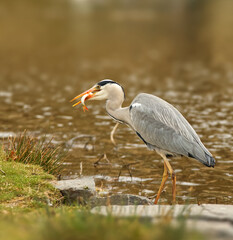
x=182, y=52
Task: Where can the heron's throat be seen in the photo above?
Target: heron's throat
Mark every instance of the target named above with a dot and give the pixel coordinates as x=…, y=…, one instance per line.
x=115, y=110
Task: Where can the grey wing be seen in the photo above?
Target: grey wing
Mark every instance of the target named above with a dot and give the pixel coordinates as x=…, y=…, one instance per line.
x=162, y=127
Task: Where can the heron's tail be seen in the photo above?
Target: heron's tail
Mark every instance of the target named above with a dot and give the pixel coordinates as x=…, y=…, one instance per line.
x=210, y=160
x=201, y=153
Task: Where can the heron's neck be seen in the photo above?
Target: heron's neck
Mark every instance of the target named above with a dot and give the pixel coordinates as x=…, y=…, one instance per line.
x=115, y=110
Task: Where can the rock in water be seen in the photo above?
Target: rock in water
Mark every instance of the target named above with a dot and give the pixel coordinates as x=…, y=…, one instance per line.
x=78, y=190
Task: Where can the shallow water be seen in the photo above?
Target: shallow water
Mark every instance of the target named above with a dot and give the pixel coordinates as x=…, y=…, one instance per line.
x=182, y=52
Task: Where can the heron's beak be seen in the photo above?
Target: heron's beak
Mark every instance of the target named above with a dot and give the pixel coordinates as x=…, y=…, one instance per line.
x=90, y=93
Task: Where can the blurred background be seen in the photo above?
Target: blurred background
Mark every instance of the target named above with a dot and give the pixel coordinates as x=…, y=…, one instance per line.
x=181, y=51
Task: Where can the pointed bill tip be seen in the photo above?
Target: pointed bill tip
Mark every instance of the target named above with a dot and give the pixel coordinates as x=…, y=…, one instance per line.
x=76, y=104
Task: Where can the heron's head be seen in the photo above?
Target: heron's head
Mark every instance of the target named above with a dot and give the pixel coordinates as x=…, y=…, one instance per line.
x=103, y=90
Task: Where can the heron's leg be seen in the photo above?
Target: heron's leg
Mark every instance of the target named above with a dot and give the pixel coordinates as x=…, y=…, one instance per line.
x=112, y=133
x=164, y=179
x=173, y=176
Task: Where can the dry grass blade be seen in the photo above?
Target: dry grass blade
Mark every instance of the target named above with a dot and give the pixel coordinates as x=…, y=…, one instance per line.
x=27, y=149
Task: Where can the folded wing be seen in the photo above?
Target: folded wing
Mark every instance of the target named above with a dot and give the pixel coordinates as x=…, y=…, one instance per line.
x=163, y=127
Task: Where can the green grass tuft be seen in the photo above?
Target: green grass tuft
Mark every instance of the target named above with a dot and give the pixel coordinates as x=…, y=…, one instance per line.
x=31, y=150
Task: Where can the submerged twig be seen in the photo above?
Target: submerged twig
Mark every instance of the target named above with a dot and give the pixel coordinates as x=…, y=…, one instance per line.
x=104, y=157
x=90, y=141
x=81, y=169
x=2, y=171
x=126, y=166
x=112, y=133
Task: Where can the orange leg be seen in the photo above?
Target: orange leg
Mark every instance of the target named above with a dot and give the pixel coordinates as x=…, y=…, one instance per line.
x=167, y=167
x=164, y=179
x=173, y=175
x=173, y=187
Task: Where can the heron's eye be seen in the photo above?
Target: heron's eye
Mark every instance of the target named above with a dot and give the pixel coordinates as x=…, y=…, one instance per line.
x=97, y=88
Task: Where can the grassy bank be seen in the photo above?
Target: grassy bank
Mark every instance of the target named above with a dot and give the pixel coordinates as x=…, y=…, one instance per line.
x=29, y=209
x=24, y=186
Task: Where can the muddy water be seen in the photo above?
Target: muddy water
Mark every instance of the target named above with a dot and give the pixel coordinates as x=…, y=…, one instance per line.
x=52, y=50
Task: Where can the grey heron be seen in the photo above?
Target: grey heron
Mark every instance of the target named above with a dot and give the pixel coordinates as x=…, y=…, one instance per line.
x=159, y=125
